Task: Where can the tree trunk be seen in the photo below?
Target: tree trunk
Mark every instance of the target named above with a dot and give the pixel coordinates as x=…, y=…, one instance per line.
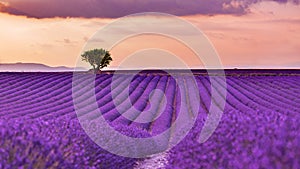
x=97, y=69
x=93, y=68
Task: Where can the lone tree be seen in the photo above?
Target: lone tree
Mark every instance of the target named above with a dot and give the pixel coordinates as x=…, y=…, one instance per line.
x=98, y=58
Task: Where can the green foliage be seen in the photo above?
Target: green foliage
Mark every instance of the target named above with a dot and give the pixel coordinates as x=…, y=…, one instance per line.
x=97, y=58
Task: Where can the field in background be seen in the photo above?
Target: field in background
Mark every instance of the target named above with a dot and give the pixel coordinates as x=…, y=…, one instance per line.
x=259, y=128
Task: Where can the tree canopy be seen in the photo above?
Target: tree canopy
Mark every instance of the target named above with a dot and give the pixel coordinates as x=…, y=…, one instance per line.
x=97, y=58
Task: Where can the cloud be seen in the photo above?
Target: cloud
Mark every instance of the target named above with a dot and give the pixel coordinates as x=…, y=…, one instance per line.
x=4, y=7
x=67, y=40
x=119, y=8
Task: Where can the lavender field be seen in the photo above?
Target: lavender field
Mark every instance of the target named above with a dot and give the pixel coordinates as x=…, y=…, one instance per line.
x=259, y=128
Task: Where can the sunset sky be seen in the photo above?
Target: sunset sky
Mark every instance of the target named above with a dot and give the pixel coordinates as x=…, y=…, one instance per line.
x=245, y=33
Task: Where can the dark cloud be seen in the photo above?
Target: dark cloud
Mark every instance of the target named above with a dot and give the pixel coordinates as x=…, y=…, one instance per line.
x=119, y=8
x=285, y=1
x=11, y=10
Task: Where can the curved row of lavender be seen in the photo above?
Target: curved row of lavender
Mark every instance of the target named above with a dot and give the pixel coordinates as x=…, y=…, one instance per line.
x=259, y=128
